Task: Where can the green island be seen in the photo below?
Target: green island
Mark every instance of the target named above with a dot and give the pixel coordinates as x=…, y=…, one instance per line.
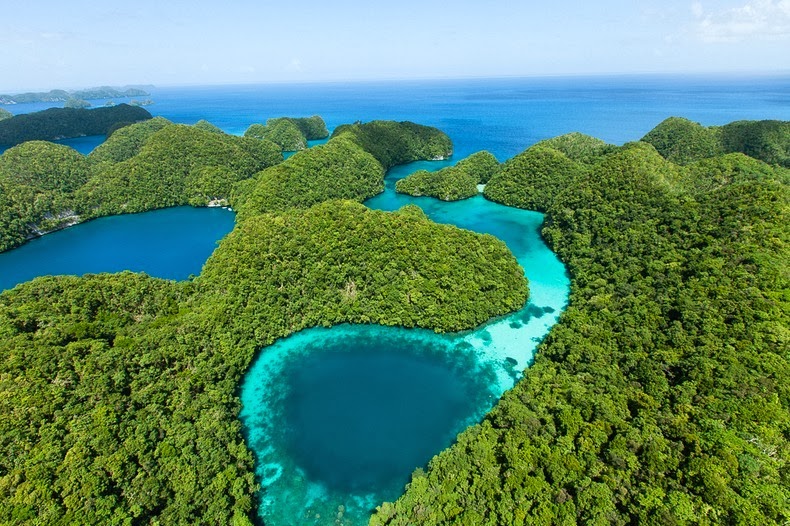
x=661, y=395
x=454, y=182
x=119, y=391
x=290, y=133
x=659, y=398
x=65, y=123
x=59, y=95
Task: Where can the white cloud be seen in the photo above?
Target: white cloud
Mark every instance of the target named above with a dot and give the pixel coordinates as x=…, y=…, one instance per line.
x=757, y=19
x=295, y=66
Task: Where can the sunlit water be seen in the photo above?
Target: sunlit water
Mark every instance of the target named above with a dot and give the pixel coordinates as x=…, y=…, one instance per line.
x=171, y=243
x=338, y=418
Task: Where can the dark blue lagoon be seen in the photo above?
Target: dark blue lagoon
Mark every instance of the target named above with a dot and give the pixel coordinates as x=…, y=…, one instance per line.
x=171, y=243
x=339, y=418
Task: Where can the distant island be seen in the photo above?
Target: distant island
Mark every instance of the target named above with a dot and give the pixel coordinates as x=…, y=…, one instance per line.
x=59, y=95
x=65, y=123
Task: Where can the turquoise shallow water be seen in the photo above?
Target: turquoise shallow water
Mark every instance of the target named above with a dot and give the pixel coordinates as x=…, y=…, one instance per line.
x=339, y=418
x=171, y=243
x=330, y=414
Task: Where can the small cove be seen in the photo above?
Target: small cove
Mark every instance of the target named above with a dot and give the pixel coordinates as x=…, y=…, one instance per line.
x=171, y=243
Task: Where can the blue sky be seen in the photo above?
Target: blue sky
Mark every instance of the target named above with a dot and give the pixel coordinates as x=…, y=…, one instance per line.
x=83, y=43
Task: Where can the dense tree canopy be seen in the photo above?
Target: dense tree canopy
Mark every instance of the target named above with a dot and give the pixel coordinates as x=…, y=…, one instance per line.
x=337, y=170
x=454, y=182
x=683, y=141
x=168, y=170
x=118, y=392
x=529, y=180
x=5, y=114
x=37, y=182
x=578, y=146
x=662, y=396
x=290, y=133
x=393, y=143
x=62, y=123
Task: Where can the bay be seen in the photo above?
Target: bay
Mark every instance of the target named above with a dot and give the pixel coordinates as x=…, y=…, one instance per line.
x=171, y=243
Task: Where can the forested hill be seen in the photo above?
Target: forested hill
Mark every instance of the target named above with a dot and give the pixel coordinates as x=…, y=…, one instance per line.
x=118, y=393
x=662, y=396
x=64, y=123
x=59, y=95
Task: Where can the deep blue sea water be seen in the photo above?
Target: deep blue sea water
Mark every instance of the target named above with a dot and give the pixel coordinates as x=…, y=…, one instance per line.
x=338, y=418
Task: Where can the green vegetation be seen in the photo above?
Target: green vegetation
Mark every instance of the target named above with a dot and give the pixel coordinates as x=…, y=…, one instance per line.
x=37, y=182
x=290, y=133
x=393, y=143
x=579, y=147
x=169, y=170
x=768, y=141
x=283, y=133
x=683, y=141
x=530, y=179
x=118, y=392
x=59, y=95
x=662, y=395
x=205, y=125
x=343, y=168
x=341, y=262
x=454, y=182
x=148, y=165
x=77, y=103
x=5, y=114
x=126, y=142
x=338, y=169
x=63, y=123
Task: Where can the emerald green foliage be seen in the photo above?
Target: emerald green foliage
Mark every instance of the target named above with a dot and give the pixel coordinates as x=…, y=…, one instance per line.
x=393, y=143
x=533, y=178
x=118, y=392
x=683, y=141
x=282, y=132
x=481, y=165
x=76, y=103
x=167, y=171
x=290, y=133
x=663, y=395
x=579, y=147
x=454, y=182
x=148, y=165
x=60, y=123
x=768, y=141
x=37, y=181
x=126, y=142
x=205, y=125
x=341, y=262
x=109, y=416
x=447, y=184
x=44, y=166
x=313, y=128
x=339, y=169
x=5, y=114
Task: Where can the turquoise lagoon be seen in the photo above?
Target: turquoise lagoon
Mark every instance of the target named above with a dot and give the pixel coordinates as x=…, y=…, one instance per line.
x=171, y=243
x=339, y=418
